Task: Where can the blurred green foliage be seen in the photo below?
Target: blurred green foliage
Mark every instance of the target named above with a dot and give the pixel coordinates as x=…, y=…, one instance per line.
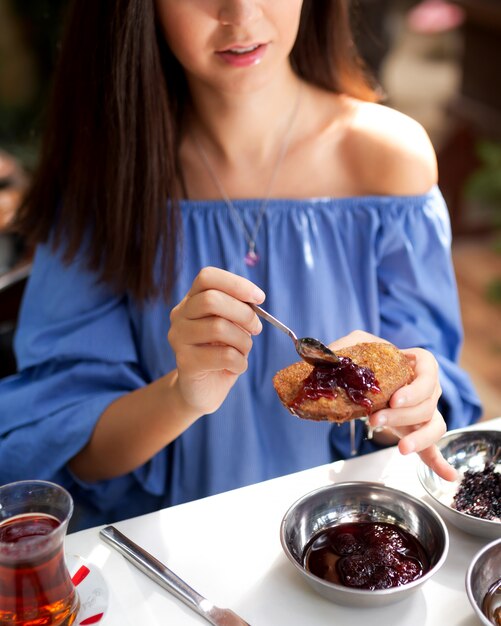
x=484, y=186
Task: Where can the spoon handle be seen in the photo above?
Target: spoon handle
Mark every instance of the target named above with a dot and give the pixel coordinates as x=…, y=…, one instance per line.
x=273, y=320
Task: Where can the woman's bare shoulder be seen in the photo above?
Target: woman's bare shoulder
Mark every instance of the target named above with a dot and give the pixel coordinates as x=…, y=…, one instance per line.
x=388, y=152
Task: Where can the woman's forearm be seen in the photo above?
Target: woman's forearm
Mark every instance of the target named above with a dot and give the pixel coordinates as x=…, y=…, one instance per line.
x=133, y=429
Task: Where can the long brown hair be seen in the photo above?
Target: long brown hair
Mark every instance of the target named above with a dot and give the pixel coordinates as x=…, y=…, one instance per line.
x=108, y=165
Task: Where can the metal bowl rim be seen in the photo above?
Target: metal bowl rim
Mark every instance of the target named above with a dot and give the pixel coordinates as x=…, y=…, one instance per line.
x=467, y=578
x=421, y=468
x=354, y=590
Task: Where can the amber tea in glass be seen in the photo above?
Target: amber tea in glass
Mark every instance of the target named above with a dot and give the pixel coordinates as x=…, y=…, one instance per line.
x=35, y=585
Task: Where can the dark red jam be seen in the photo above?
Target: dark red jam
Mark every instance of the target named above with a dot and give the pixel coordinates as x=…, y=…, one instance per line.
x=479, y=493
x=366, y=555
x=324, y=382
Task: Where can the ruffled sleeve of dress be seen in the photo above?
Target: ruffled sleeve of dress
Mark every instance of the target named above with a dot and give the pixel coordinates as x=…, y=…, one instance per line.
x=419, y=300
x=76, y=354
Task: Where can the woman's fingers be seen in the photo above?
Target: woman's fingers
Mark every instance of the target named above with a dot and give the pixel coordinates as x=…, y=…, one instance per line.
x=434, y=459
x=213, y=303
x=422, y=440
x=211, y=358
x=423, y=435
x=413, y=415
x=240, y=288
x=408, y=415
x=425, y=383
x=212, y=330
x=218, y=293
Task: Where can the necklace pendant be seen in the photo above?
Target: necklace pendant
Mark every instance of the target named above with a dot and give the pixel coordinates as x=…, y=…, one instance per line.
x=251, y=258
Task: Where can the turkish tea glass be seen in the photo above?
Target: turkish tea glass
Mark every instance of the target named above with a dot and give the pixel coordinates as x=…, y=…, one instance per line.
x=35, y=585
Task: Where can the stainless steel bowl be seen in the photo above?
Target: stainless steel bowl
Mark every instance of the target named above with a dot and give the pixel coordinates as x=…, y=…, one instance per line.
x=465, y=449
x=356, y=502
x=483, y=572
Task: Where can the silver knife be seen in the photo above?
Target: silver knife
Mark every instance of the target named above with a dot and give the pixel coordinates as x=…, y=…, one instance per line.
x=166, y=578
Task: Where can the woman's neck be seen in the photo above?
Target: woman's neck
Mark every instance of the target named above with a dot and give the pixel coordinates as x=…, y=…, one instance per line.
x=245, y=126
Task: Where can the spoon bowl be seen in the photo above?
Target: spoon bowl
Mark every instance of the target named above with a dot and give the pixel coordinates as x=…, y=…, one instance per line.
x=309, y=349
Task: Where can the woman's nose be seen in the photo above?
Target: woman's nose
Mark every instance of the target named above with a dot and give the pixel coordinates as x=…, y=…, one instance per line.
x=238, y=12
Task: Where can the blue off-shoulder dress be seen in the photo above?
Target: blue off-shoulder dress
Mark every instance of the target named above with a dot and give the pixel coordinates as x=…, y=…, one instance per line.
x=328, y=266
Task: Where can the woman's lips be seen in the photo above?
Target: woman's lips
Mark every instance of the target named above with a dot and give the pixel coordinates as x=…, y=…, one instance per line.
x=243, y=56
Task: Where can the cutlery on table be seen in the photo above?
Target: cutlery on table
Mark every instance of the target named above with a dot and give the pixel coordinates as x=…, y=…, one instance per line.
x=309, y=349
x=166, y=578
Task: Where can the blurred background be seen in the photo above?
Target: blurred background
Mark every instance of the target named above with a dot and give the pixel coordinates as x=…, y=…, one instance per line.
x=436, y=60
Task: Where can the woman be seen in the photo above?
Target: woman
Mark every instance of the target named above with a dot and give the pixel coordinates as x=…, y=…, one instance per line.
x=201, y=154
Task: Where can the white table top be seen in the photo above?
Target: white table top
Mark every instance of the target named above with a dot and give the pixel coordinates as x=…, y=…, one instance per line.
x=227, y=547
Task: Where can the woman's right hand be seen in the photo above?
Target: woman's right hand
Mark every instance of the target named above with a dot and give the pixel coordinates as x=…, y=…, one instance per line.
x=211, y=335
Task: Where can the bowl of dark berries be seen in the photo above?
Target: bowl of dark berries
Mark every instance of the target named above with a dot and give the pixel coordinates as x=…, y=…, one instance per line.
x=363, y=544
x=473, y=501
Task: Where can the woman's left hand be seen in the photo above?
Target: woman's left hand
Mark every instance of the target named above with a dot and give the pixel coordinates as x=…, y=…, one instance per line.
x=413, y=415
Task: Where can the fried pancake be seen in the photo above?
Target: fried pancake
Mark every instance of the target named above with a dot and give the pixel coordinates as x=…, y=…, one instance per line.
x=391, y=370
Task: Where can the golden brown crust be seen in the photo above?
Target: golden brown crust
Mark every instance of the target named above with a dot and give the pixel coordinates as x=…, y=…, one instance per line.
x=391, y=369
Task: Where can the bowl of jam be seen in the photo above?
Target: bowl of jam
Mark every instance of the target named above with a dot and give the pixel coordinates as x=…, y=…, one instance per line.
x=473, y=502
x=483, y=583
x=363, y=543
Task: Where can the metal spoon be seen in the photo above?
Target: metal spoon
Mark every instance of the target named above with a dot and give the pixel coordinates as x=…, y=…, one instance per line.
x=310, y=350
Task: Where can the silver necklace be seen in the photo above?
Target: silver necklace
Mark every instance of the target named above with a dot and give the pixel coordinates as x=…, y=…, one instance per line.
x=252, y=257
